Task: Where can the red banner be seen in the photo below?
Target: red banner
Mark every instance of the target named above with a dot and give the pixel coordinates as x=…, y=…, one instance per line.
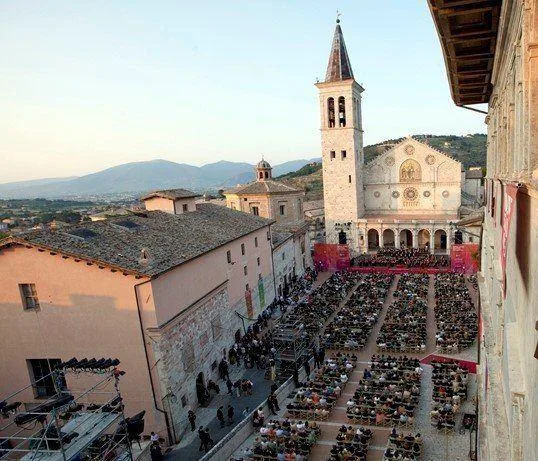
x=509, y=199
x=465, y=258
x=330, y=256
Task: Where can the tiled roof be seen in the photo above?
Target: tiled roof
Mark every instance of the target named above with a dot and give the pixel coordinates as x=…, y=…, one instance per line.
x=313, y=205
x=168, y=240
x=172, y=194
x=280, y=232
x=474, y=174
x=268, y=186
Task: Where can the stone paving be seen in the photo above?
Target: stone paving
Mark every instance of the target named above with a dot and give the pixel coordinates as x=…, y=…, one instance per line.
x=438, y=445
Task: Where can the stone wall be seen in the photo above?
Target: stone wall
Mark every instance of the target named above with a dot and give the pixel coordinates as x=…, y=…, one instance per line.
x=190, y=344
x=508, y=372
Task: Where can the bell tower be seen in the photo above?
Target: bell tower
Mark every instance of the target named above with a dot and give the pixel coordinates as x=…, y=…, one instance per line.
x=341, y=146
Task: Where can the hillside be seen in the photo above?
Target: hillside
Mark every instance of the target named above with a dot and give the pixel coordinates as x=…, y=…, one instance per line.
x=470, y=150
x=138, y=177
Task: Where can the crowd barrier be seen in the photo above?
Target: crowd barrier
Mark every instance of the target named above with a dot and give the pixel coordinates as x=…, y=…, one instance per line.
x=399, y=270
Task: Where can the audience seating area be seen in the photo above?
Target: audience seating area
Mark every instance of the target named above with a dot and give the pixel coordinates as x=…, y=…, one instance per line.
x=457, y=322
x=449, y=392
x=410, y=257
x=403, y=447
x=351, y=327
x=388, y=393
x=284, y=440
x=351, y=444
x=322, y=302
x=315, y=399
x=404, y=328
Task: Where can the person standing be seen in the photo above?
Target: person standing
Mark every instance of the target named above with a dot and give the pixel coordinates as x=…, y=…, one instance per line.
x=230, y=386
x=202, y=437
x=220, y=416
x=271, y=405
x=192, y=420
x=307, y=368
x=231, y=413
x=316, y=359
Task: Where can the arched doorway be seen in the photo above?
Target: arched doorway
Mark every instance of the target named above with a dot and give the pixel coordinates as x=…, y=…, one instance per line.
x=406, y=238
x=388, y=238
x=458, y=237
x=424, y=238
x=373, y=239
x=440, y=240
x=342, y=237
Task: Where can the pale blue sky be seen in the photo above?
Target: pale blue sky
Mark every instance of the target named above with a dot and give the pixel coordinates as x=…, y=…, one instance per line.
x=86, y=85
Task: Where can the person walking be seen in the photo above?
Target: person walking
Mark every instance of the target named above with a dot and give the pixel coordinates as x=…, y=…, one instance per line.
x=231, y=413
x=192, y=420
x=220, y=416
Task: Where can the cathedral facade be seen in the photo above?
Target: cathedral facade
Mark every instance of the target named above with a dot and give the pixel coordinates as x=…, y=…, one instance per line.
x=407, y=197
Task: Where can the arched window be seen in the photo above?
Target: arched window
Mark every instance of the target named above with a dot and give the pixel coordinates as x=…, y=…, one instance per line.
x=330, y=112
x=266, y=175
x=410, y=171
x=261, y=174
x=342, y=111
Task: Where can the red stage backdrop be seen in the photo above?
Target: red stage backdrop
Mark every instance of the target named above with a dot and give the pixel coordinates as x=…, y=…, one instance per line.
x=331, y=256
x=464, y=258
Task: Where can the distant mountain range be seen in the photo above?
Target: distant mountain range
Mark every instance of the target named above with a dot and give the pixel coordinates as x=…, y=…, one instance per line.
x=141, y=177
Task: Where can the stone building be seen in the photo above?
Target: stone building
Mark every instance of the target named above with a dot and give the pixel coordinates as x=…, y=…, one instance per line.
x=283, y=203
x=491, y=55
x=409, y=196
x=131, y=287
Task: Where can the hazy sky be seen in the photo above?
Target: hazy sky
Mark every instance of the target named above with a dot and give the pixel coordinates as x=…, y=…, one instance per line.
x=86, y=85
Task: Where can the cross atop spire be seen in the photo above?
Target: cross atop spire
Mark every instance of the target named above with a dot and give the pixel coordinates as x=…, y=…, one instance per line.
x=339, y=67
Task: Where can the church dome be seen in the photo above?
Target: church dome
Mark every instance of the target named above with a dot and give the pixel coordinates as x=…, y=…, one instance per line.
x=263, y=164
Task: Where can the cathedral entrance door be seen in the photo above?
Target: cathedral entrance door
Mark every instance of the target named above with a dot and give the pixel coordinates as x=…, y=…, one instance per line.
x=406, y=239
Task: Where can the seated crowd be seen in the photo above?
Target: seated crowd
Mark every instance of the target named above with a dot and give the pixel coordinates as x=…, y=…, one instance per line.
x=404, y=448
x=404, y=328
x=351, y=444
x=315, y=398
x=449, y=392
x=409, y=257
x=455, y=315
x=388, y=392
x=352, y=326
x=284, y=441
x=319, y=305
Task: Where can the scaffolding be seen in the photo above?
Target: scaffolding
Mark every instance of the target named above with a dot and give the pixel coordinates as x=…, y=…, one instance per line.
x=291, y=342
x=87, y=424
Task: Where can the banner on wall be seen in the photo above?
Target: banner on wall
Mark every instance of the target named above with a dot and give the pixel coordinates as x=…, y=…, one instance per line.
x=465, y=258
x=331, y=256
x=508, y=200
x=261, y=293
x=248, y=302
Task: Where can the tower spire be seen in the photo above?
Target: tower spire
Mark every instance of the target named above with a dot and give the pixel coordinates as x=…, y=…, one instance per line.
x=339, y=67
